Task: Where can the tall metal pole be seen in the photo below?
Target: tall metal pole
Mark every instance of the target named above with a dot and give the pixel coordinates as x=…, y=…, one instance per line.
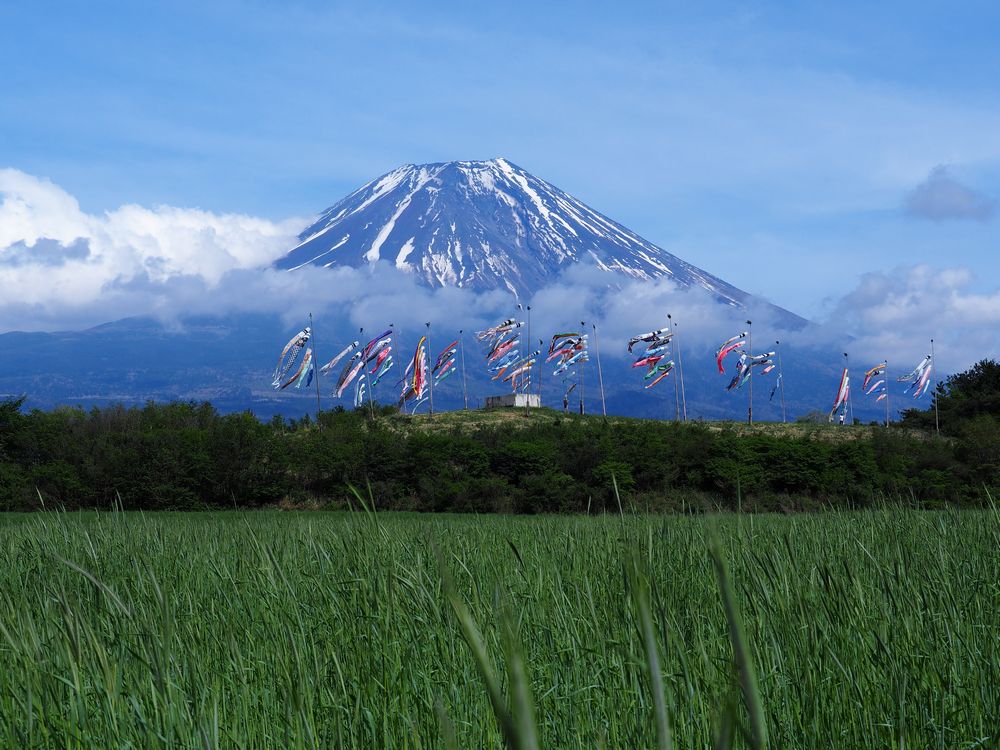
x=781, y=379
x=886, y=373
x=315, y=355
x=937, y=418
x=541, y=374
x=600, y=374
x=527, y=353
x=430, y=376
x=583, y=369
x=677, y=401
x=750, y=376
x=850, y=395
x=680, y=372
x=368, y=387
x=465, y=388
x=397, y=342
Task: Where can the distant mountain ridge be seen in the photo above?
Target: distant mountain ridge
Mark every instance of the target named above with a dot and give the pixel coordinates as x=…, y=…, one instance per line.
x=484, y=225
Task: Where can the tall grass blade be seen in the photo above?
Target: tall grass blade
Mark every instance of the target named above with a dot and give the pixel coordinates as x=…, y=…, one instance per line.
x=448, y=736
x=640, y=597
x=517, y=677
x=484, y=665
x=741, y=655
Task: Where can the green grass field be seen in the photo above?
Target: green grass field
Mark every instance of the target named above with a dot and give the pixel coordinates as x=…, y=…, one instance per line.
x=863, y=630
x=473, y=419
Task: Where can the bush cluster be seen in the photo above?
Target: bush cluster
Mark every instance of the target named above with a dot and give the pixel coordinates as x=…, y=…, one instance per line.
x=189, y=456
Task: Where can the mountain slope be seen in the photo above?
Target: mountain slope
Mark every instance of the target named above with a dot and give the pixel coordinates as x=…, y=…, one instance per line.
x=483, y=225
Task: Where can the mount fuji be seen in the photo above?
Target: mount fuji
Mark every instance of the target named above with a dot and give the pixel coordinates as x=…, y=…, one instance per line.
x=484, y=225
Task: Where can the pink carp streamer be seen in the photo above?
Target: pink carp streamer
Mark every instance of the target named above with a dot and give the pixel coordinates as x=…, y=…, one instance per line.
x=843, y=394
x=503, y=355
x=655, y=357
x=365, y=368
x=728, y=346
x=415, y=379
x=304, y=375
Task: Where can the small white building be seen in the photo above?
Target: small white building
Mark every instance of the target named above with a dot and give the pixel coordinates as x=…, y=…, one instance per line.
x=514, y=400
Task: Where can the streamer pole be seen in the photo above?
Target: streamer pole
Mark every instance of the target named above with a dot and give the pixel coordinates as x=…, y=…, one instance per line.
x=677, y=402
x=781, y=377
x=319, y=403
x=465, y=387
x=850, y=396
x=887, y=393
x=368, y=386
x=937, y=418
x=541, y=374
x=680, y=372
x=750, y=376
x=527, y=353
x=430, y=376
x=600, y=374
x=583, y=369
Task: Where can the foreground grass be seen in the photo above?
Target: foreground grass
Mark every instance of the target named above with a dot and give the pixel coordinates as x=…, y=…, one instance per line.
x=337, y=630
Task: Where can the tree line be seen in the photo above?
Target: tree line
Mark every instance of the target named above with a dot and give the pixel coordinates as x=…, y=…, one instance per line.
x=189, y=456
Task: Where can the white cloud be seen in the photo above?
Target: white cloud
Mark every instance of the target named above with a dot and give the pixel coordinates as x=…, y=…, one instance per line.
x=128, y=246
x=895, y=315
x=34, y=208
x=61, y=268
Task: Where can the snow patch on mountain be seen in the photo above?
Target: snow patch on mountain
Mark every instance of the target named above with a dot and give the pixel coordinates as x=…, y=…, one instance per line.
x=404, y=253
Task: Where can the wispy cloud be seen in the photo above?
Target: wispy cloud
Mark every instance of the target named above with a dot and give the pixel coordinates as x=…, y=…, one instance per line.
x=941, y=197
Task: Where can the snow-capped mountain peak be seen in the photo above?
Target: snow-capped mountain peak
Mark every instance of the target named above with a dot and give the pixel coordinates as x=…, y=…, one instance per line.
x=483, y=225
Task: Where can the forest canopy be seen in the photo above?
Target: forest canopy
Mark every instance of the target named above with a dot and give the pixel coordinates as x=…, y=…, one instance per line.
x=188, y=456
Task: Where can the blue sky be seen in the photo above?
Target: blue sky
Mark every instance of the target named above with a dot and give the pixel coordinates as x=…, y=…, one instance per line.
x=788, y=148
